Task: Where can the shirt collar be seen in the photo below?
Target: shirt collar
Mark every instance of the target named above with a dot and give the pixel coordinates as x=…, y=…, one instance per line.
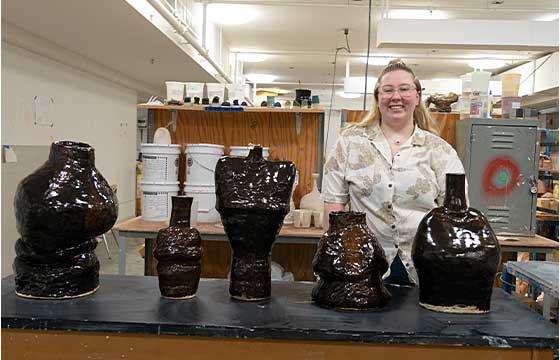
x=375, y=134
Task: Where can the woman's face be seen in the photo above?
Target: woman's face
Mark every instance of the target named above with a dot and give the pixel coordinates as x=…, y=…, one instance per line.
x=398, y=97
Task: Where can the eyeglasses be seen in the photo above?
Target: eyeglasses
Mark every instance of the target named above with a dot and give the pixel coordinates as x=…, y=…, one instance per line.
x=404, y=91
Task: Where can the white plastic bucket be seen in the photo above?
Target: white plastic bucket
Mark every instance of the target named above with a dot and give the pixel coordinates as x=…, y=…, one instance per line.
x=206, y=197
x=160, y=162
x=175, y=90
x=201, y=162
x=243, y=151
x=156, y=200
x=480, y=80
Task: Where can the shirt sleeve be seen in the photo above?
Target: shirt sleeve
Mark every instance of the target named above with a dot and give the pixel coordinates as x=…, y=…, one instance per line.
x=335, y=186
x=447, y=162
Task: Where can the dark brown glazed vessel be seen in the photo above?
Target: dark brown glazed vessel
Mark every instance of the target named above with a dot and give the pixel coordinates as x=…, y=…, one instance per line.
x=252, y=197
x=456, y=254
x=60, y=209
x=349, y=263
x=179, y=253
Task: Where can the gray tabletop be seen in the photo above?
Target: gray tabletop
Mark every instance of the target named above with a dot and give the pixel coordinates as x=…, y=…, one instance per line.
x=132, y=304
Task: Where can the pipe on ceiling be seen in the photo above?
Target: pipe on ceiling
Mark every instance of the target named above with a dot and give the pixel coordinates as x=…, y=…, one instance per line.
x=186, y=34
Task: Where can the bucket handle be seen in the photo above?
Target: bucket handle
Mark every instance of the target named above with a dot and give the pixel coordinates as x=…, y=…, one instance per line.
x=202, y=165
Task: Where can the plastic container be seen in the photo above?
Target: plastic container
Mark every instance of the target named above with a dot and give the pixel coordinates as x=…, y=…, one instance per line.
x=175, y=90
x=479, y=105
x=156, y=199
x=160, y=162
x=480, y=80
x=201, y=162
x=243, y=151
x=509, y=106
x=466, y=84
x=206, y=197
x=510, y=84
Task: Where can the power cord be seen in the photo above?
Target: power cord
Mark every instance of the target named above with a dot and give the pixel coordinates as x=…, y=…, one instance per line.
x=367, y=58
x=347, y=49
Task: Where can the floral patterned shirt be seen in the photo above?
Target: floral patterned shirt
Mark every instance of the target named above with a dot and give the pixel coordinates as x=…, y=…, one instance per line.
x=394, y=193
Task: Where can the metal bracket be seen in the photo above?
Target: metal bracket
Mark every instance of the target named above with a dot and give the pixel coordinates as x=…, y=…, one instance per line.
x=174, y=120
x=298, y=123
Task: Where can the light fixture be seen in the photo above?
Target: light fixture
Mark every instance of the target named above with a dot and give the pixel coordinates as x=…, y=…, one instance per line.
x=230, y=14
x=420, y=14
x=356, y=84
x=547, y=17
x=251, y=57
x=345, y=95
x=484, y=64
x=377, y=60
x=261, y=78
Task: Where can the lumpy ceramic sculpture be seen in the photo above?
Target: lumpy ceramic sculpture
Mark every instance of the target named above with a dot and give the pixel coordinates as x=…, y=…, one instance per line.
x=456, y=255
x=60, y=209
x=349, y=263
x=179, y=252
x=252, y=197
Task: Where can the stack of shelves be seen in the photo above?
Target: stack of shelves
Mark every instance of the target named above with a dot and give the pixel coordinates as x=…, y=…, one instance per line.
x=547, y=207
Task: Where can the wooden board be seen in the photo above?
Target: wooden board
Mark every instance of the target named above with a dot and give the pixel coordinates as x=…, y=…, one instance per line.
x=46, y=345
x=276, y=130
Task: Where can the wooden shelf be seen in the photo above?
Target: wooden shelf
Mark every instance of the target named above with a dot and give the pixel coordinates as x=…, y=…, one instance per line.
x=245, y=109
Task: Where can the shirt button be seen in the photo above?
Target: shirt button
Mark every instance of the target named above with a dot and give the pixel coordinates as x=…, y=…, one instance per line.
x=397, y=246
x=389, y=206
x=398, y=154
x=393, y=226
x=390, y=185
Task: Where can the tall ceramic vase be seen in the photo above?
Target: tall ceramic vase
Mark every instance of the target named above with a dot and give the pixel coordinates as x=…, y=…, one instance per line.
x=350, y=263
x=456, y=255
x=252, y=197
x=179, y=253
x=60, y=209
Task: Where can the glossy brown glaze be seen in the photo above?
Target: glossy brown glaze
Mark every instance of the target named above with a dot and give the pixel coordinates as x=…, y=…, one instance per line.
x=252, y=197
x=456, y=254
x=179, y=252
x=60, y=209
x=349, y=263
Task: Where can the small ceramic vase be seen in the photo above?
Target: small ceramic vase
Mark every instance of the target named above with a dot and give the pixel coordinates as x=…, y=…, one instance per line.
x=349, y=263
x=179, y=253
x=312, y=201
x=60, y=209
x=252, y=197
x=456, y=254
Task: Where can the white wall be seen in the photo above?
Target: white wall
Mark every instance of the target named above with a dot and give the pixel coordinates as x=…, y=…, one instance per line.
x=83, y=108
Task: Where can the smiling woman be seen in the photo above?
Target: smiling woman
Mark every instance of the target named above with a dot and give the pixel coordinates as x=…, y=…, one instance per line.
x=391, y=166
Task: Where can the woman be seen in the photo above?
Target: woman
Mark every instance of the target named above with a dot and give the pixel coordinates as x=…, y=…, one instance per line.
x=391, y=166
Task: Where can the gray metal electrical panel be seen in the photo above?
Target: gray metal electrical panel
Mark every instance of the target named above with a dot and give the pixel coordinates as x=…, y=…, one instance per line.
x=501, y=163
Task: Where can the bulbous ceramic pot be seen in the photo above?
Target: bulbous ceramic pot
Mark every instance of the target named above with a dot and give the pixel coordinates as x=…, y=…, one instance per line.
x=179, y=253
x=456, y=255
x=349, y=263
x=60, y=209
x=252, y=197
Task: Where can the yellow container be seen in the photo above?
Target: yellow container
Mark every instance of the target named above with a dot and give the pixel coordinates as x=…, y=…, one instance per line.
x=510, y=84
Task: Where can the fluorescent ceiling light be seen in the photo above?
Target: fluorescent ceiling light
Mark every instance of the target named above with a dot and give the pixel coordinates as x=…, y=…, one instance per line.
x=356, y=84
x=547, y=17
x=377, y=61
x=252, y=57
x=261, y=78
x=230, y=14
x=417, y=14
x=344, y=95
x=486, y=64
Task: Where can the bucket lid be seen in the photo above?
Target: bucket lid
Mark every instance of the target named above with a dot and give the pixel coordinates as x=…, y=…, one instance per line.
x=206, y=145
x=174, y=83
x=200, y=188
x=160, y=145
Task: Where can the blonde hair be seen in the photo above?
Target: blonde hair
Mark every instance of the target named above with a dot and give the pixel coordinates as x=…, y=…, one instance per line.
x=421, y=115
